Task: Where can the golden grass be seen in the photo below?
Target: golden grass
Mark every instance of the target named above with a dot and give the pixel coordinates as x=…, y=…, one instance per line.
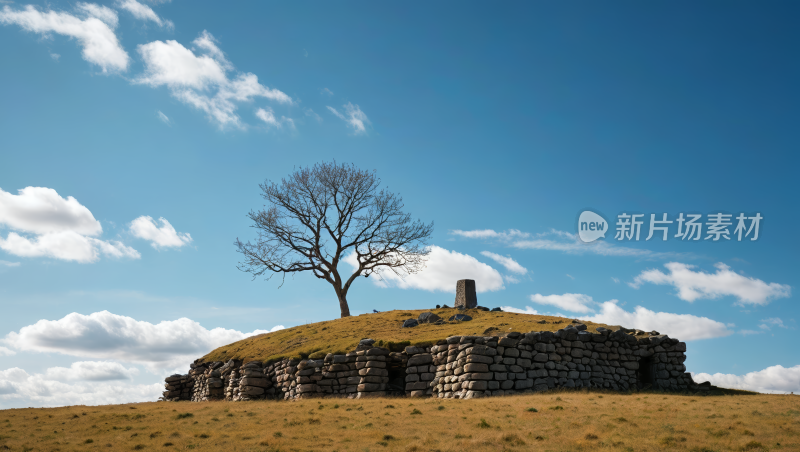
x=559, y=421
x=343, y=335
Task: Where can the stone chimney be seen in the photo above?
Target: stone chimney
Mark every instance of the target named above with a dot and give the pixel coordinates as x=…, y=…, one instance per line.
x=465, y=294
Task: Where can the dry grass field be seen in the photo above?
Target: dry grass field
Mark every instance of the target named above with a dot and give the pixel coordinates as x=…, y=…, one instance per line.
x=342, y=335
x=560, y=421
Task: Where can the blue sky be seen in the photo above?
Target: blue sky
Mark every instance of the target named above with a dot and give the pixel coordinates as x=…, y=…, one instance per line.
x=492, y=118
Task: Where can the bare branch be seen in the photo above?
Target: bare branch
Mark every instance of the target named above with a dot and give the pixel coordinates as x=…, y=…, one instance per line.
x=317, y=216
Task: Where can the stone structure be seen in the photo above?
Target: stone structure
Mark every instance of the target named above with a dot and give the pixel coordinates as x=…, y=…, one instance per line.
x=465, y=294
x=456, y=367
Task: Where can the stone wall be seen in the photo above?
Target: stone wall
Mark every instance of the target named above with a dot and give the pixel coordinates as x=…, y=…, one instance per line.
x=456, y=367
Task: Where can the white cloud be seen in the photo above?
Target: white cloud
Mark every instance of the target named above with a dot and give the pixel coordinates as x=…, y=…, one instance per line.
x=692, y=285
x=91, y=371
x=144, y=12
x=572, y=246
x=570, y=277
x=168, y=345
x=566, y=242
x=774, y=379
x=277, y=328
x=104, y=13
x=685, y=327
x=7, y=352
x=511, y=279
x=770, y=322
x=19, y=389
x=63, y=228
x=166, y=236
x=507, y=262
x=336, y=112
x=616, y=280
x=442, y=270
x=268, y=116
x=9, y=264
x=490, y=234
x=573, y=302
x=67, y=245
x=208, y=44
x=353, y=116
x=41, y=210
x=527, y=310
x=164, y=118
x=94, y=32
x=202, y=80
x=55, y=56
x=326, y=91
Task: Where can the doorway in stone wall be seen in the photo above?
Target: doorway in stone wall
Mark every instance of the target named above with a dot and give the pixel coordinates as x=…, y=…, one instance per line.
x=397, y=377
x=646, y=373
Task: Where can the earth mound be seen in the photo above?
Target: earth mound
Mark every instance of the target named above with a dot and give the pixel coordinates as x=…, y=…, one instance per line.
x=339, y=336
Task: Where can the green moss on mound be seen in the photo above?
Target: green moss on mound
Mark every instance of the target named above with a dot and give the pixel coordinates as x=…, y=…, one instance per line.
x=315, y=340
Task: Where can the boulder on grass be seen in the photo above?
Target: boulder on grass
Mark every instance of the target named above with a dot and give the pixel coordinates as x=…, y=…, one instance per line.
x=460, y=318
x=428, y=317
x=410, y=323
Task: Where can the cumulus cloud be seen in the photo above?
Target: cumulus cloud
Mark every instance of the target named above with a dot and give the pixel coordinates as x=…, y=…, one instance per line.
x=573, y=302
x=353, y=116
x=774, y=379
x=442, y=270
x=20, y=389
x=144, y=12
x=7, y=352
x=527, y=310
x=91, y=371
x=201, y=80
x=91, y=25
x=683, y=326
x=67, y=245
x=692, y=285
x=41, y=210
x=9, y=264
x=166, y=236
x=167, y=345
x=63, y=228
x=507, y=262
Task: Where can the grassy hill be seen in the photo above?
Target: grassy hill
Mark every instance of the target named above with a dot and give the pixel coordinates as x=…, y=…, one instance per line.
x=553, y=421
x=342, y=335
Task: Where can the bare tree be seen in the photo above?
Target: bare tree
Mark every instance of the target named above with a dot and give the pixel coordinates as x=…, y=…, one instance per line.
x=318, y=217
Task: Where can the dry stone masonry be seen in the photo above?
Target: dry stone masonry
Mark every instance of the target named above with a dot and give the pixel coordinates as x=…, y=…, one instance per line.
x=460, y=367
x=466, y=296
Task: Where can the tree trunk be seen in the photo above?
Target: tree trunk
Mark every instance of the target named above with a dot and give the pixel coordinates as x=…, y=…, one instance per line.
x=343, y=304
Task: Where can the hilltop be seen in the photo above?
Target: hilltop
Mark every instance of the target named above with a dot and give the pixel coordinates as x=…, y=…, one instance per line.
x=342, y=335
